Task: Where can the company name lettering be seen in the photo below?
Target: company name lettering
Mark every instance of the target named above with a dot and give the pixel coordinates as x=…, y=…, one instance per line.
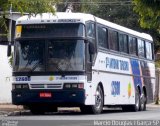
x=117, y=64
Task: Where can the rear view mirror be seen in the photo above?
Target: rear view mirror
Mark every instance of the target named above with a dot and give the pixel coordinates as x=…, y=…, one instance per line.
x=9, y=50
x=91, y=48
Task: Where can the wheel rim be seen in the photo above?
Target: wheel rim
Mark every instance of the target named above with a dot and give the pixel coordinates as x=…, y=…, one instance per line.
x=99, y=98
x=137, y=101
x=143, y=102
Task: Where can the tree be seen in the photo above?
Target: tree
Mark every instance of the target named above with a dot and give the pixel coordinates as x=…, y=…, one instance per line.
x=149, y=13
x=116, y=11
x=32, y=7
x=29, y=6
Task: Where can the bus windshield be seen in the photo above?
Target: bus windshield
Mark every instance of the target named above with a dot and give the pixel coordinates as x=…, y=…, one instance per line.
x=49, y=55
x=53, y=30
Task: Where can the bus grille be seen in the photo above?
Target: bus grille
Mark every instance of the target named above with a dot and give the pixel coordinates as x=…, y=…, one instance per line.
x=46, y=86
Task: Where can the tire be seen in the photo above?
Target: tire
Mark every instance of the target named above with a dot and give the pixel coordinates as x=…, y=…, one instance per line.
x=98, y=107
x=143, y=102
x=136, y=106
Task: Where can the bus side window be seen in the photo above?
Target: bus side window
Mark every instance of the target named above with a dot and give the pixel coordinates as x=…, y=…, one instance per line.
x=132, y=45
x=149, y=50
x=141, y=48
x=102, y=37
x=123, y=43
x=113, y=40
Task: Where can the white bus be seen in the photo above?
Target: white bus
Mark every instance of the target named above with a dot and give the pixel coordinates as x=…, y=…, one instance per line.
x=77, y=59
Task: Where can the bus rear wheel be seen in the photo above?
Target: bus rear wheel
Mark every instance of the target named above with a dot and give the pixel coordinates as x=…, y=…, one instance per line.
x=143, y=102
x=136, y=106
x=99, y=101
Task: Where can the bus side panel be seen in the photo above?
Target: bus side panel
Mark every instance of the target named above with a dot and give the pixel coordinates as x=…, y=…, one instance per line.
x=90, y=87
x=118, y=89
x=148, y=73
x=114, y=73
x=120, y=76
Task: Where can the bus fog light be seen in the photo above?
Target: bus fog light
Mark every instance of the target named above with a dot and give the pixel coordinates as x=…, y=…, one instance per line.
x=74, y=85
x=73, y=95
x=18, y=95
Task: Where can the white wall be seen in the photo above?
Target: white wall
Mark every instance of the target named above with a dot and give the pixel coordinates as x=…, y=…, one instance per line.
x=5, y=76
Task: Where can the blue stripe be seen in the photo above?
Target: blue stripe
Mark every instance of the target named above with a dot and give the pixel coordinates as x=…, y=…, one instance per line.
x=136, y=71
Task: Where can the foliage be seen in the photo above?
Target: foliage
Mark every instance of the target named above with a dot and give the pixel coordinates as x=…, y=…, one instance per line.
x=149, y=12
x=10, y=60
x=32, y=7
x=29, y=6
x=117, y=11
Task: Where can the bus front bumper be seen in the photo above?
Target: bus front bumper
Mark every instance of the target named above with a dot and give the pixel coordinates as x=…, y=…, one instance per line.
x=53, y=97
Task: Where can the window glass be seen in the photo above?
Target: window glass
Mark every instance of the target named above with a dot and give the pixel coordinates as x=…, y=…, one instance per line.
x=29, y=56
x=123, y=43
x=90, y=29
x=53, y=30
x=132, y=45
x=102, y=37
x=148, y=50
x=113, y=40
x=141, y=48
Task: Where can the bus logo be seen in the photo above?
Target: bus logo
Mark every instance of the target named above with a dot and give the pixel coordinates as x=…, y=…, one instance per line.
x=115, y=88
x=51, y=78
x=129, y=90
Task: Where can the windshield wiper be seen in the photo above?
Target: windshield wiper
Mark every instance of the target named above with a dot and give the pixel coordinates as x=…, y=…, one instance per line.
x=34, y=67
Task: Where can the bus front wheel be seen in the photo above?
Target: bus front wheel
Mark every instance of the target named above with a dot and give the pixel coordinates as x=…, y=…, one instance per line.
x=99, y=101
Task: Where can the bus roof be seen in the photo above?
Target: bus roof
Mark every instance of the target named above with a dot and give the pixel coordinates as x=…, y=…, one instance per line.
x=63, y=17
x=49, y=17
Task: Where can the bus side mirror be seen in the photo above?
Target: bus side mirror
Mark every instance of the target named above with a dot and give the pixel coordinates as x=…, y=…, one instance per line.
x=9, y=50
x=91, y=48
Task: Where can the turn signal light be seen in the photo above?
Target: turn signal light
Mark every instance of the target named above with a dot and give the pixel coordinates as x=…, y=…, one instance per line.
x=74, y=86
x=20, y=86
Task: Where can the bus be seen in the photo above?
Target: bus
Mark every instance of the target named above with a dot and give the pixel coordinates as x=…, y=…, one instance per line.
x=77, y=59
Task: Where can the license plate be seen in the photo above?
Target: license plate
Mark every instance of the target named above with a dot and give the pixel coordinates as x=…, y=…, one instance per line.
x=45, y=95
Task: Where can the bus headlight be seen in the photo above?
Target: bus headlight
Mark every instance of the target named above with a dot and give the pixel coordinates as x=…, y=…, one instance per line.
x=73, y=86
x=67, y=86
x=20, y=86
x=25, y=86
